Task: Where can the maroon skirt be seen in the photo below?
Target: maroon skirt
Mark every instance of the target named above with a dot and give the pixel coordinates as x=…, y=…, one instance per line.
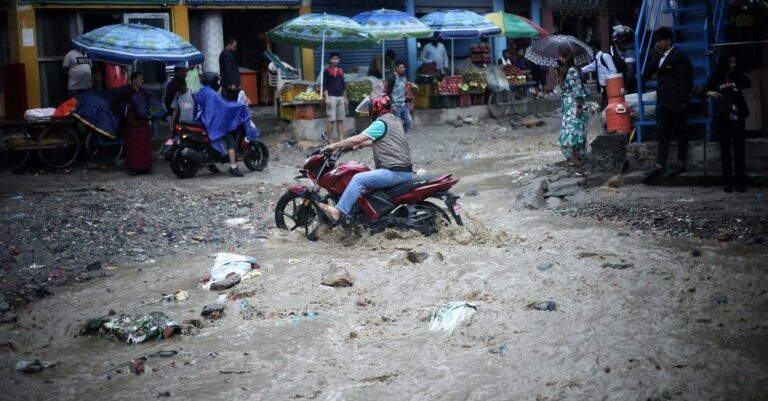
x=138, y=146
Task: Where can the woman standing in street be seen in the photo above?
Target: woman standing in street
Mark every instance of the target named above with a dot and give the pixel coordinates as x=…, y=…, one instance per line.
x=133, y=104
x=573, y=128
x=726, y=86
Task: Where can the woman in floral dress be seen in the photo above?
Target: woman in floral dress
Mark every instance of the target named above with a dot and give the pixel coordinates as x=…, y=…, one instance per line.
x=573, y=129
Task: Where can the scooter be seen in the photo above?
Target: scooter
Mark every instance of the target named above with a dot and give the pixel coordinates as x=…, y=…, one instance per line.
x=189, y=148
x=402, y=207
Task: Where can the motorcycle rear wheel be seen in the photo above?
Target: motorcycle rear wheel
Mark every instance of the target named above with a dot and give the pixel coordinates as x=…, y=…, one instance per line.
x=293, y=207
x=181, y=166
x=257, y=156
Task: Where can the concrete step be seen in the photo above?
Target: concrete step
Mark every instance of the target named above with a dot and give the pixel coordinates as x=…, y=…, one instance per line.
x=757, y=181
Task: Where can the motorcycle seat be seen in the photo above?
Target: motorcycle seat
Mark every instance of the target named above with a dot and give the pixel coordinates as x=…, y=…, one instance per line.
x=192, y=124
x=407, y=186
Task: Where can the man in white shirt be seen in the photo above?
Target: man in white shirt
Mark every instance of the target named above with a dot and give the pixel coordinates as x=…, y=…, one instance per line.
x=434, y=52
x=604, y=66
x=77, y=66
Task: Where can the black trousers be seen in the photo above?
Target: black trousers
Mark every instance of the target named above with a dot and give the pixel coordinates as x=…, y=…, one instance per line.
x=230, y=95
x=671, y=123
x=732, y=139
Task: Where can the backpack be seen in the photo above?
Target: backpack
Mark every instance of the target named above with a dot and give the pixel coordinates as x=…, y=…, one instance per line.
x=621, y=65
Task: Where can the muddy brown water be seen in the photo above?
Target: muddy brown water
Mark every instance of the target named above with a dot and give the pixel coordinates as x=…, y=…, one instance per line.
x=650, y=330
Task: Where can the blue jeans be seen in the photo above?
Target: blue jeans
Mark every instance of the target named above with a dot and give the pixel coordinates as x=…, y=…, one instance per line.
x=402, y=112
x=381, y=178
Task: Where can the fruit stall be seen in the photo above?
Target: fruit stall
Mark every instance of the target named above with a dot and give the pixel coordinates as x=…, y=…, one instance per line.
x=435, y=91
x=301, y=102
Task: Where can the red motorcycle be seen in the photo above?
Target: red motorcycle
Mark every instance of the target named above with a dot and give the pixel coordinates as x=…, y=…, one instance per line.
x=403, y=207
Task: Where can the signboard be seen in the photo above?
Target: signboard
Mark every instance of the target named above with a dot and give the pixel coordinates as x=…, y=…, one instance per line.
x=82, y=2
x=578, y=4
x=252, y=2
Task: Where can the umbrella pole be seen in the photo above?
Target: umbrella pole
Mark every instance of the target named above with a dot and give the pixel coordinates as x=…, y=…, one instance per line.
x=453, y=58
x=383, y=63
x=322, y=60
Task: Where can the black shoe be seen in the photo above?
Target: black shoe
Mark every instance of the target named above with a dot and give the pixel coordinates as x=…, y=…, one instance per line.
x=677, y=170
x=235, y=172
x=728, y=189
x=741, y=188
x=650, y=175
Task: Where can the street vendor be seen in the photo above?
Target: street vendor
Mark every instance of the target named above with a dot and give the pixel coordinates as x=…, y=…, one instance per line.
x=434, y=52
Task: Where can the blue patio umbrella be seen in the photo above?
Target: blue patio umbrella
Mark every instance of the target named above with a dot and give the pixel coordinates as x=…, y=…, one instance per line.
x=387, y=24
x=460, y=24
x=136, y=43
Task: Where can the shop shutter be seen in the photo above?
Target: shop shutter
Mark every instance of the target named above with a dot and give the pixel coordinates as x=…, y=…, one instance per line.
x=358, y=57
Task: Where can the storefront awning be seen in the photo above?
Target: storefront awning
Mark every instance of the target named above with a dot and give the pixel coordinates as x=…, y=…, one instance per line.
x=246, y=2
x=153, y=2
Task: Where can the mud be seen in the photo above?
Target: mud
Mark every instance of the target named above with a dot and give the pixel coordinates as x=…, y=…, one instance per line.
x=654, y=329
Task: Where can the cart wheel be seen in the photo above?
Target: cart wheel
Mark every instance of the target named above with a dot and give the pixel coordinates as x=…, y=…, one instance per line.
x=497, y=107
x=102, y=150
x=15, y=145
x=58, y=145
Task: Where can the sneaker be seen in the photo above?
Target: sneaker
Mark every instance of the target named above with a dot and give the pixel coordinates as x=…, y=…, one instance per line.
x=677, y=170
x=235, y=172
x=654, y=173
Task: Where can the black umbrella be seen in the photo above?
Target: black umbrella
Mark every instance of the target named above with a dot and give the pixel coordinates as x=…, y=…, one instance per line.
x=544, y=51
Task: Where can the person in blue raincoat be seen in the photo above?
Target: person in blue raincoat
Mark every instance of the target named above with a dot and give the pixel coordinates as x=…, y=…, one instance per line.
x=222, y=120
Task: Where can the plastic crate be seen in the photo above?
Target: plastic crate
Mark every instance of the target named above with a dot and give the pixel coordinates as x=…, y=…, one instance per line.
x=287, y=112
x=309, y=111
x=477, y=99
x=465, y=100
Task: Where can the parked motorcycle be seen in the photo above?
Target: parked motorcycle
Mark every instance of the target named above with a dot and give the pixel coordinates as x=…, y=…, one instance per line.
x=189, y=148
x=403, y=207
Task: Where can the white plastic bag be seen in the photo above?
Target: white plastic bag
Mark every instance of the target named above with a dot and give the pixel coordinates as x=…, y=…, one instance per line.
x=496, y=79
x=632, y=101
x=226, y=263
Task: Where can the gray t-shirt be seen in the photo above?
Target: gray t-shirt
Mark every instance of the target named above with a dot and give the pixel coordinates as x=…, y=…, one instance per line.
x=185, y=104
x=398, y=92
x=79, y=70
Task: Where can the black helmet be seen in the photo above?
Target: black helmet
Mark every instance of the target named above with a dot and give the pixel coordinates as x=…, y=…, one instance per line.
x=210, y=79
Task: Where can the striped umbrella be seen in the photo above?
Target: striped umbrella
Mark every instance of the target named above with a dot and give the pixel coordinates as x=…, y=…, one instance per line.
x=515, y=26
x=544, y=51
x=392, y=25
x=136, y=43
x=459, y=24
x=322, y=30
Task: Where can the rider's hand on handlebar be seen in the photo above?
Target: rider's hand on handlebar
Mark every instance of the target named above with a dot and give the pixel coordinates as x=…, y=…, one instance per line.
x=328, y=149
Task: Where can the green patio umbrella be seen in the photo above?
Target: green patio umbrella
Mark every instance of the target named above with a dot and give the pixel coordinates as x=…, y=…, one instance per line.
x=392, y=25
x=323, y=30
x=515, y=26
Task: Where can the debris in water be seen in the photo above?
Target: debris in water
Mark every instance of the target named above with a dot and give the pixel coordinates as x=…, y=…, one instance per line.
x=719, y=299
x=548, y=306
x=235, y=372
x=472, y=193
x=164, y=394
x=133, y=329
x=227, y=263
x=305, y=316
x=618, y=266
x=449, y=316
x=545, y=266
x=695, y=253
x=178, y=296
x=417, y=257
x=136, y=365
x=238, y=221
x=31, y=366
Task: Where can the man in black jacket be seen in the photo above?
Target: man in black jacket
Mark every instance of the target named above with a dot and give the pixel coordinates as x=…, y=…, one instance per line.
x=674, y=77
x=229, y=70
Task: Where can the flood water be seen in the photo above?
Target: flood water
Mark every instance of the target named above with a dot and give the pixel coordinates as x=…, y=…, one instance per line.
x=649, y=330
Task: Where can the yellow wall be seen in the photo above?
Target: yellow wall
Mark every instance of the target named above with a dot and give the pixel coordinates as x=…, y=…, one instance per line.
x=23, y=17
x=307, y=55
x=180, y=21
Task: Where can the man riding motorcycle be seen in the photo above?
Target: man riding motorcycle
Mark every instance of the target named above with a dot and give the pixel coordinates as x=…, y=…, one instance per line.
x=222, y=119
x=391, y=155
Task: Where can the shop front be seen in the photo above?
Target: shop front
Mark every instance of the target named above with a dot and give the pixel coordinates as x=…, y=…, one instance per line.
x=43, y=30
x=583, y=19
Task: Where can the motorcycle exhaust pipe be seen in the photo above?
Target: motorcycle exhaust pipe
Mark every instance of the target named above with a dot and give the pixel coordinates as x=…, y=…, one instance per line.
x=191, y=154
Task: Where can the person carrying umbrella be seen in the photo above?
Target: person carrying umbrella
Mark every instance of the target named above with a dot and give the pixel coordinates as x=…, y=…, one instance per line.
x=573, y=128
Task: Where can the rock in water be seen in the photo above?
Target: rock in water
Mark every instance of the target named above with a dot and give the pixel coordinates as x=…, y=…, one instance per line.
x=417, y=257
x=213, y=311
x=617, y=181
x=548, y=306
x=719, y=299
x=337, y=277
x=545, y=266
x=618, y=266
x=472, y=193
x=229, y=281
x=30, y=366
x=695, y=253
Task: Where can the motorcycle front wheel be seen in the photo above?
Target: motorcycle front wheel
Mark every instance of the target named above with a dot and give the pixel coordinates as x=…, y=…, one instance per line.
x=181, y=166
x=257, y=156
x=296, y=212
